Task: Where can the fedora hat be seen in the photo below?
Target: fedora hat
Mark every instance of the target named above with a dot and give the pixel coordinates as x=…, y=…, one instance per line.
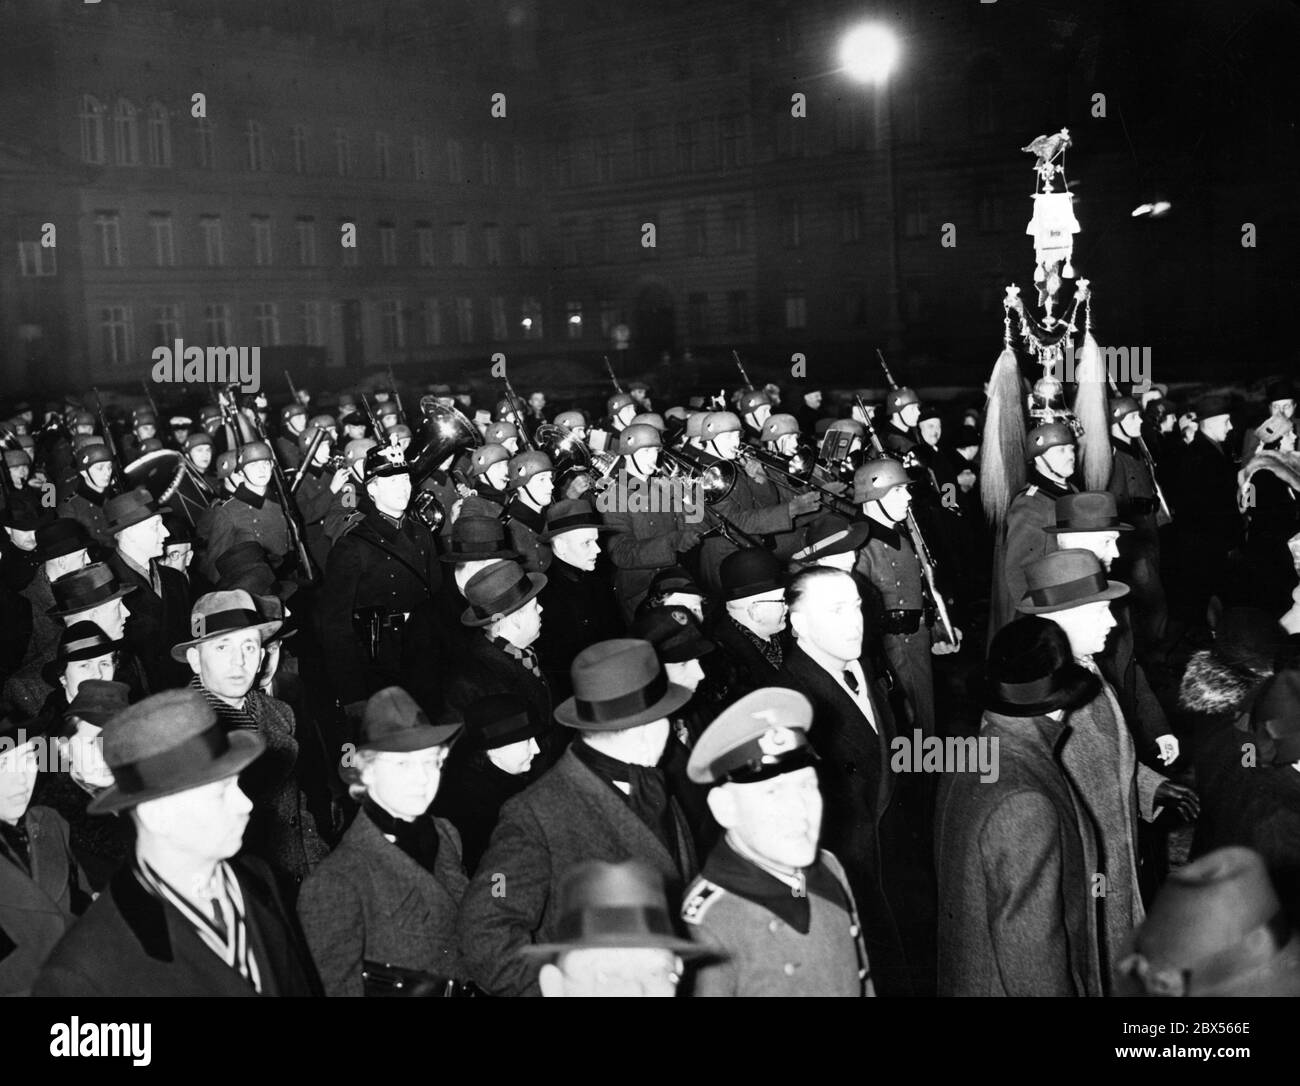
x=245, y=566
x=477, y=538
x=80, y=641
x=23, y=515
x=568, y=516
x=169, y=743
x=1065, y=579
x=750, y=572
x=674, y=633
x=1091, y=511
x=613, y=906
x=619, y=684
x=1216, y=928
x=219, y=613
x=1031, y=671
x=98, y=701
x=130, y=508
x=393, y=723
x=84, y=588
x=499, y=590
x=497, y=720
x=61, y=536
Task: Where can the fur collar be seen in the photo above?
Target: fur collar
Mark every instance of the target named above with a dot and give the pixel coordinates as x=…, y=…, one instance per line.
x=1211, y=686
x=1285, y=465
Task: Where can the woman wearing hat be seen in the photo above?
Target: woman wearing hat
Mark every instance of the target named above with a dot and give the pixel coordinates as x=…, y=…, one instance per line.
x=495, y=758
x=380, y=912
x=1017, y=855
x=1267, y=494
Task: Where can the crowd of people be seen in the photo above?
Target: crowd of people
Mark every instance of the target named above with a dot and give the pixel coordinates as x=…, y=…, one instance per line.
x=351, y=699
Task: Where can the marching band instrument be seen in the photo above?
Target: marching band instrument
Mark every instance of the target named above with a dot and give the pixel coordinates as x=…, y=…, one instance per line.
x=799, y=480
x=447, y=432
x=173, y=481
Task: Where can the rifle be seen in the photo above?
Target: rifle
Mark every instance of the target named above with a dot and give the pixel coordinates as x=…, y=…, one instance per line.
x=885, y=366
x=923, y=555
x=1165, y=514
x=292, y=391
x=108, y=440
x=743, y=375
x=153, y=406
x=519, y=415
x=397, y=396
x=308, y=459
x=610, y=369
x=374, y=422
x=305, y=565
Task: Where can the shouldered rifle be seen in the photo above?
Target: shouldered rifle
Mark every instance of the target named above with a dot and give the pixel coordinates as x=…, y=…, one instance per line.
x=923, y=555
x=397, y=396
x=735, y=357
x=292, y=391
x=307, y=460
x=291, y=515
x=520, y=424
x=885, y=366
x=374, y=422
x=108, y=440
x=1164, y=515
x=610, y=370
x=153, y=406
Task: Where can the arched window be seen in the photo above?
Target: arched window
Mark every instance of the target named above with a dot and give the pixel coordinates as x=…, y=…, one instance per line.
x=92, y=130
x=126, y=134
x=160, y=136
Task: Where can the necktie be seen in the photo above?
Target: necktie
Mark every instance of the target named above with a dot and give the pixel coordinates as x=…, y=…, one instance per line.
x=219, y=920
x=851, y=681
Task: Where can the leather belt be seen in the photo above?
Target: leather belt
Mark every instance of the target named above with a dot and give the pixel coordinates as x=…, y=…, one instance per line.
x=903, y=621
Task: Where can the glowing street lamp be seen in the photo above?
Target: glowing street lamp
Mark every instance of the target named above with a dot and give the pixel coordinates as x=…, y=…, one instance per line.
x=869, y=53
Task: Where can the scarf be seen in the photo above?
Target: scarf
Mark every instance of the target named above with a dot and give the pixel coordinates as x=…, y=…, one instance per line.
x=418, y=838
x=648, y=798
x=231, y=719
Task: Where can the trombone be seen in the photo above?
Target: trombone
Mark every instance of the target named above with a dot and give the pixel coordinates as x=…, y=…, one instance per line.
x=797, y=478
x=716, y=481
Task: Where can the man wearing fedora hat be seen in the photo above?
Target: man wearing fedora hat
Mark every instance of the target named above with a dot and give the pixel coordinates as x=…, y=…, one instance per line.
x=183, y=917
x=617, y=935
x=603, y=800
x=1070, y=588
x=158, y=610
x=94, y=464
x=1016, y=857
x=41, y=885
x=225, y=653
x=252, y=512
x=751, y=632
x=386, y=900
x=774, y=911
x=579, y=605
x=18, y=545
x=377, y=600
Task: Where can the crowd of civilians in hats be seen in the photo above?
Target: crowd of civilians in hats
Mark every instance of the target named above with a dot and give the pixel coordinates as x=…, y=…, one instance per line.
x=269, y=726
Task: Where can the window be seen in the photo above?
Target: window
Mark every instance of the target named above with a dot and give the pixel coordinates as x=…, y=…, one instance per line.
x=419, y=158
x=213, y=253
x=424, y=244
x=609, y=316
x=697, y=315
x=492, y=244
x=305, y=228
x=459, y=245
x=109, y=226
x=573, y=319
x=687, y=147
x=383, y=156
x=342, y=152
x=497, y=311
x=164, y=248
x=791, y=223
x=126, y=134
x=351, y=253
x=166, y=325
x=392, y=329
x=527, y=245
x=267, y=315
x=117, y=334
x=455, y=162
x=160, y=139
x=257, y=160
x=216, y=324
x=489, y=164
x=737, y=311
x=530, y=318
x=298, y=139
x=604, y=159
x=431, y=321
x=35, y=261
x=388, y=245
x=697, y=231
x=735, y=230
x=521, y=167
x=465, y=320
x=852, y=216
x=261, y=240
x=207, y=156
x=796, y=311
x=309, y=324
x=92, y=130
x=732, y=128
x=916, y=213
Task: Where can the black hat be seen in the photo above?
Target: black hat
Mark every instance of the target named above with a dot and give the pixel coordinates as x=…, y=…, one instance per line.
x=1214, y=404
x=1274, y=720
x=567, y=516
x=673, y=632
x=966, y=436
x=23, y=515
x=85, y=588
x=352, y=417
x=499, y=590
x=1091, y=511
x=382, y=461
x=133, y=507
x=178, y=528
x=80, y=641
x=674, y=579
x=62, y=536
x=392, y=722
x=245, y=566
x=1065, y=579
x=476, y=538
x=1281, y=388
x=1247, y=637
x=98, y=701
x=497, y=720
x=1031, y=671
x=749, y=572
x=619, y=684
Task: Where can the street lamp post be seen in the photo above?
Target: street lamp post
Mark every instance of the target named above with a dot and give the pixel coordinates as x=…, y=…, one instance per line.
x=869, y=54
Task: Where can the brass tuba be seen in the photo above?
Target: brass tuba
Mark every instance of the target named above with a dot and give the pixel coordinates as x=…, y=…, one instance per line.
x=573, y=457
x=446, y=432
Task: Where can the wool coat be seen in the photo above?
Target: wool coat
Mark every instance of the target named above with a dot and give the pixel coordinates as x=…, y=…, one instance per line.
x=155, y=623
x=1016, y=859
x=370, y=901
x=1022, y=540
x=569, y=816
